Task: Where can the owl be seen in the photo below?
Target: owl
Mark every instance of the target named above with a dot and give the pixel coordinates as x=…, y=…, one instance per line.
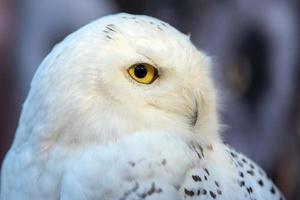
x=125, y=109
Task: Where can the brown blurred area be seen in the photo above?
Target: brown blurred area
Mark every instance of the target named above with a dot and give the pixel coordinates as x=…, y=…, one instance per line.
x=9, y=109
x=255, y=46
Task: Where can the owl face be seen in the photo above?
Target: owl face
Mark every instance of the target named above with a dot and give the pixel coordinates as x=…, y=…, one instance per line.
x=125, y=73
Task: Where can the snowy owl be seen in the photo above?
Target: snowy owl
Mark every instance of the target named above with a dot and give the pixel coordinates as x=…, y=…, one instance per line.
x=125, y=109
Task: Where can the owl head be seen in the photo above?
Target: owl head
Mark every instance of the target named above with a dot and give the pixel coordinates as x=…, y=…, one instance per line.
x=117, y=76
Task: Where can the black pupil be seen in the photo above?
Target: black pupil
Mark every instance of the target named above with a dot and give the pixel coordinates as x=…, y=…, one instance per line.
x=140, y=71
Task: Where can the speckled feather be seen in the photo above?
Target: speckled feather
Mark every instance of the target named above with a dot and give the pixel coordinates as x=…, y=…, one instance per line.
x=193, y=171
x=89, y=131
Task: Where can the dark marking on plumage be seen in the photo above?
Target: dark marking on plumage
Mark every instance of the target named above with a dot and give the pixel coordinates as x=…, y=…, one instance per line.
x=159, y=190
x=152, y=189
x=261, y=183
x=110, y=28
x=131, y=163
x=197, y=148
x=201, y=149
x=219, y=192
x=251, y=172
x=241, y=174
x=189, y=192
x=142, y=195
x=162, y=23
x=205, y=177
x=272, y=190
x=132, y=190
x=206, y=170
x=164, y=162
x=242, y=183
x=244, y=160
x=136, y=186
x=196, y=178
x=158, y=27
x=252, y=166
x=233, y=154
x=217, y=184
x=110, y=25
x=204, y=191
x=249, y=190
x=212, y=194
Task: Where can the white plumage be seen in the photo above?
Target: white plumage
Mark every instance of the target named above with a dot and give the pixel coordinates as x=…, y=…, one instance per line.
x=89, y=130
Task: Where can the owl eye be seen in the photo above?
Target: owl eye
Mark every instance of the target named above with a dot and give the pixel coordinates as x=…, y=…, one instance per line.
x=143, y=73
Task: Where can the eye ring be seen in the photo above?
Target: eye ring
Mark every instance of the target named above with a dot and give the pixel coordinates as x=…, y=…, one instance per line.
x=143, y=73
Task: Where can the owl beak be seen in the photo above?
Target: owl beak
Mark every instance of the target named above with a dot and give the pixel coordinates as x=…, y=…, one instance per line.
x=194, y=116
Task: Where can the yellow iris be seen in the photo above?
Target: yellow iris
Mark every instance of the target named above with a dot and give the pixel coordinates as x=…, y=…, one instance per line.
x=143, y=73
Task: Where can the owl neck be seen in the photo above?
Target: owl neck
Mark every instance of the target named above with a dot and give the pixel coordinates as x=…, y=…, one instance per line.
x=109, y=127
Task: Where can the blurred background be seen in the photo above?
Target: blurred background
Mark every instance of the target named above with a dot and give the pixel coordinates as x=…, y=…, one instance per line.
x=254, y=44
